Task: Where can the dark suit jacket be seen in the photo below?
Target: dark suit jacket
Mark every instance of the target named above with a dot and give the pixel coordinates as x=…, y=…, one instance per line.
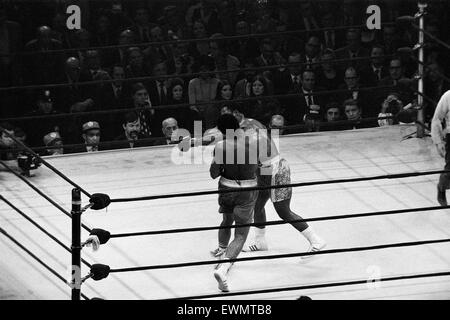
x=369, y=109
x=344, y=53
x=283, y=83
x=296, y=109
x=123, y=143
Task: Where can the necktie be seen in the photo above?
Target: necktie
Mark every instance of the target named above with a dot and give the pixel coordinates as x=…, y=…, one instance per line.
x=162, y=94
x=378, y=71
x=144, y=123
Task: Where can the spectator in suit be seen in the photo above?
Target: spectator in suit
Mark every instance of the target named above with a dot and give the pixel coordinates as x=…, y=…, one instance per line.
x=333, y=113
x=329, y=76
x=43, y=67
x=172, y=134
x=142, y=102
x=54, y=142
x=159, y=88
x=132, y=136
x=135, y=67
x=375, y=70
x=223, y=61
x=312, y=53
x=91, y=137
x=268, y=57
x=126, y=37
x=244, y=48
x=44, y=106
x=307, y=107
x=352, y=91
x=396, y=79
x=391, y=39
x=289, y=80
x=353, y=113
x=160, y=52
x=277, y=122
x=142, y=24
x=353, y=49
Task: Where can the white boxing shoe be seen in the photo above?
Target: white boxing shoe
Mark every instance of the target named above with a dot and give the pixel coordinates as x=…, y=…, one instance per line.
x=316, y=246
x=258, y=245
x=221, y=276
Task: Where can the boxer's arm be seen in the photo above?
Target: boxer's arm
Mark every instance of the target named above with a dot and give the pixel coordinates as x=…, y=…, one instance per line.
x=216, y=169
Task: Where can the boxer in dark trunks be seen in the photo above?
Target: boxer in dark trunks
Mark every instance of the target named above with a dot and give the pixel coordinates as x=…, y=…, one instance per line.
x=236, y=163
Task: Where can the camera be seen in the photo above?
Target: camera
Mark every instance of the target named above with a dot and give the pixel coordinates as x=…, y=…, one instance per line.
x=27, y=162
x=394, y=106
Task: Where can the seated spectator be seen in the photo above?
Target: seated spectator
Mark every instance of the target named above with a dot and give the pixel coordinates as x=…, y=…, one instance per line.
x=396, y=79
x=242, y=88
x=352, y=91
x=43, y=67
x=225, y=94
x=198, y=48
x=119, y=56
x=262, y=109
x=353, y=49
x=93, y=65
x=375, y=70
x=142, y=24
x=289, y=80
x=135, y=67
x=244, y=48
x=159, y=88
x=172, y=133
x=391, y=106
x=160, y=52
x=54, y=142
x=223, y=60
x=277, y=122
x=75, y=98
x=91, y=138
x=177, y=95
x=435, y=87
x=312, y=53
x=8, y=147
x=329, y=77
x=146, y=114
x=204, y=89
x=307, y=107
x=331, y=39
x=333, y=114
x=132, y=136
x=353, y=113
x=268, y=57
x=10, y=42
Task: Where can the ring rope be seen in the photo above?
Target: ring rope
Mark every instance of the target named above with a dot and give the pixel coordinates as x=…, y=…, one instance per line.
x=145, y=78
x=40, y=228
x=186, y=105
x=48, y=165
x=299, y=184
x=313, y=286
x=2, y=231
x=280, y=222
x=169, y=42
x=442, y=43
x=114, y=143
x=280, y=256
x=42, y=194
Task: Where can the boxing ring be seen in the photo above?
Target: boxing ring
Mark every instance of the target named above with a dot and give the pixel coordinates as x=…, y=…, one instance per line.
x=151, y=171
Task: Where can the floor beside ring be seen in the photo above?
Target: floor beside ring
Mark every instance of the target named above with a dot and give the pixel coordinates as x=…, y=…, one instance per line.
x=158, y=170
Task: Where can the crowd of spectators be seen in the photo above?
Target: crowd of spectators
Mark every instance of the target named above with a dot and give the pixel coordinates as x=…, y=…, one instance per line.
x=320, y=76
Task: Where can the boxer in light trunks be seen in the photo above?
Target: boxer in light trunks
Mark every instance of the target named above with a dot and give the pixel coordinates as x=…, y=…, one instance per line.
x=274, y=170
x=236, y=171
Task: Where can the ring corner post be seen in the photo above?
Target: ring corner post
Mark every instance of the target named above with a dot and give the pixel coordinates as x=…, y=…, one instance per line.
x=76, y=244
x=420, y=101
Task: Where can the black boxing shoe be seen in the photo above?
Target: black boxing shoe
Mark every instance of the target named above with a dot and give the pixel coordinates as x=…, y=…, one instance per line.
x=441, y=197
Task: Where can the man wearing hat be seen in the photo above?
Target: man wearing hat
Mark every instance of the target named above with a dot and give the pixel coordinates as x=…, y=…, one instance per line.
x=91, y=136
x=44, y=105
x=53, y=139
